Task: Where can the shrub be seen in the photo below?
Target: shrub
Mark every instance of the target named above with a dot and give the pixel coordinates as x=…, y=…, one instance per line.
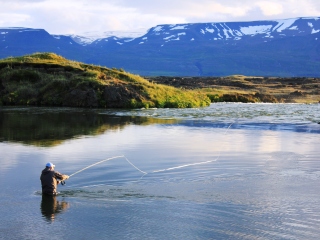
x=135, y=104
x=214, y=97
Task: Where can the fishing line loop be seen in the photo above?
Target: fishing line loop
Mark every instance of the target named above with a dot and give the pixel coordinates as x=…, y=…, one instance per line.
x=156, y=171
x=105, y=160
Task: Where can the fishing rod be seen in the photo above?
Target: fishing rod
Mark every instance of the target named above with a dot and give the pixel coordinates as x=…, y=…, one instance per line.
x=108, y=159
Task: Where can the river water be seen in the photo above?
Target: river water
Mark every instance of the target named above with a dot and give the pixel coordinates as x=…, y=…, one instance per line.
x=228, y=171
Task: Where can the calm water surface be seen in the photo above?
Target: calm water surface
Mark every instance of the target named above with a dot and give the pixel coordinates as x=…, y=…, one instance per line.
x=229, y=171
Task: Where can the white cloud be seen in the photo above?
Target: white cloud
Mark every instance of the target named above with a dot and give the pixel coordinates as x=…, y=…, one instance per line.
x=14, y=19
x=269, y=8
x=76, y=16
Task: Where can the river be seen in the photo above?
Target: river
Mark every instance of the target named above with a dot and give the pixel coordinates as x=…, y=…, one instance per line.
x=228, y=171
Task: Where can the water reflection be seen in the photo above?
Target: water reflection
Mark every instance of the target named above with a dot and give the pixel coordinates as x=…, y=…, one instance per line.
x=50, y=127
x=50, y=207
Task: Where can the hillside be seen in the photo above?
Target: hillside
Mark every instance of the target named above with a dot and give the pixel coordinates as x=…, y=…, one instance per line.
x=47, y=79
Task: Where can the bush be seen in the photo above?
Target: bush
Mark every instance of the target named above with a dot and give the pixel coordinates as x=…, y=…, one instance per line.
x=245, y=98
x=135, y=104
x=20, y=75
x=214, y=97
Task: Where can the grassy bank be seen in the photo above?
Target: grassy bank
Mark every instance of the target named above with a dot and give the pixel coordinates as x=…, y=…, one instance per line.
x=46, y=79
x=240, y=88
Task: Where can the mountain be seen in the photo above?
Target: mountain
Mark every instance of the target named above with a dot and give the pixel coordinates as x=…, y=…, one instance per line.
x=289, y=47
x=22, y=41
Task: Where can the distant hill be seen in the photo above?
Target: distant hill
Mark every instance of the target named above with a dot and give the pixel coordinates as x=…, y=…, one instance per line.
x=284, y=48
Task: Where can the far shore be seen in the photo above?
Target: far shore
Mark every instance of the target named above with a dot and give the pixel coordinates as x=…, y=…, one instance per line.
x=279, y=89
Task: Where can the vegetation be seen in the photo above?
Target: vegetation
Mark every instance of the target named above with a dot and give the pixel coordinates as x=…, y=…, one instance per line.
x=238, y=88
x=47, y=79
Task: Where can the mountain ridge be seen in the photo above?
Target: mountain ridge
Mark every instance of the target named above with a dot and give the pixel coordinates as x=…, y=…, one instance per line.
x=285, y=47
x=276, y=25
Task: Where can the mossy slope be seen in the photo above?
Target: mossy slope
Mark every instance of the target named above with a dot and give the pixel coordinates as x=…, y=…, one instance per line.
x=47, y=79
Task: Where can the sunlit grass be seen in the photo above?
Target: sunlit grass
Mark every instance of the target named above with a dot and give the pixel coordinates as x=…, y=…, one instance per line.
x=47, y=78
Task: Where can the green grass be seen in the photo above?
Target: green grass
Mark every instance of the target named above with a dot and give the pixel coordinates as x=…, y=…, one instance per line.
x=47, y=79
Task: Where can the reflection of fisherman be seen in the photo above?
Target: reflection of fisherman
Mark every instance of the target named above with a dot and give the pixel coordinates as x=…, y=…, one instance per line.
x=50, y=179
x=51, y=207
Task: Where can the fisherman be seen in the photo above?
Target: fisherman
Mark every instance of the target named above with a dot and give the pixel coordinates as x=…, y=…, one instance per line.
x=50, y=179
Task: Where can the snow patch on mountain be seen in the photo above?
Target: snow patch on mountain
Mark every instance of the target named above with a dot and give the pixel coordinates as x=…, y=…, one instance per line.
x=30, y=30
x=167, y=38
x=283, y=24
x=179, y=27
x=89, y=37
x=157, y=29
x=253, y=30
x=294, y=28
x=227, y=31
x=210, y=30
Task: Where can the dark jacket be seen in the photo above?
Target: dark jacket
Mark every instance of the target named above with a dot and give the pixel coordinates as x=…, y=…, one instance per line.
x=49, y=181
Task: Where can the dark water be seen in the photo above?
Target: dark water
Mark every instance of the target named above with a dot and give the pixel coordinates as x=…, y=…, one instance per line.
x=230, y=171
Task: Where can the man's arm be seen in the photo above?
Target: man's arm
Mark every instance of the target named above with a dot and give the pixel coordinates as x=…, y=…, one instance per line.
x=60, y=176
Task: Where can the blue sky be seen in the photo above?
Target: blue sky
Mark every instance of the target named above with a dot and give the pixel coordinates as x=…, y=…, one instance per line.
x=78, y=16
